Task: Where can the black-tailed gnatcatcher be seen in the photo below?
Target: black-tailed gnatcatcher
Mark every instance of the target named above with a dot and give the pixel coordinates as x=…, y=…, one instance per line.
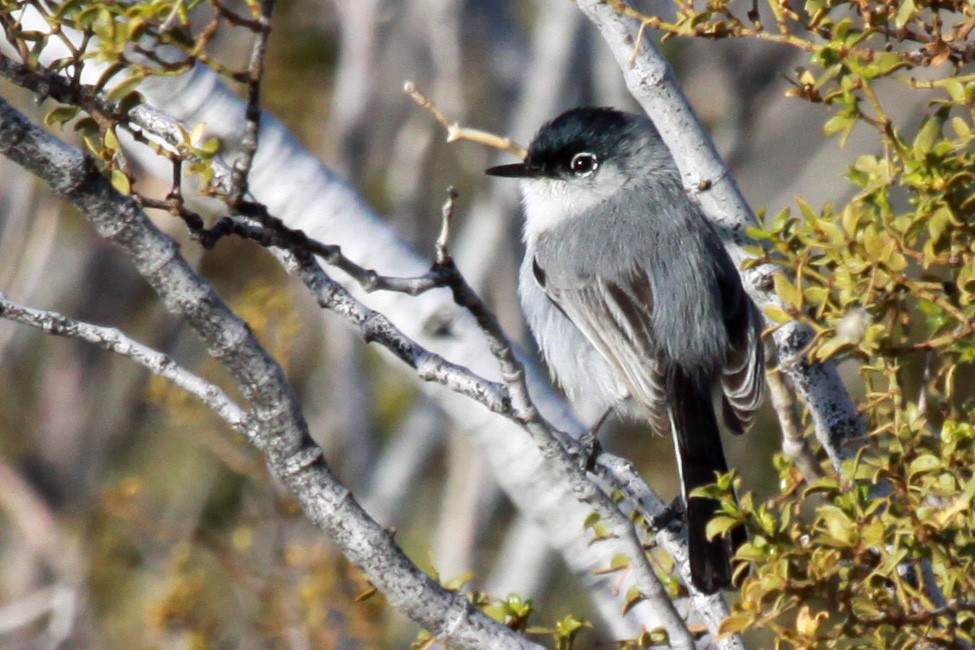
x=634, y=301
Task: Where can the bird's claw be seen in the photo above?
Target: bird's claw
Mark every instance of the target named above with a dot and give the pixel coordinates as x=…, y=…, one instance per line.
x=674, y=513
x=589, y=450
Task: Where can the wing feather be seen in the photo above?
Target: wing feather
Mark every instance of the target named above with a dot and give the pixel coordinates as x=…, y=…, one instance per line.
x=615, y=315
x=743, y=376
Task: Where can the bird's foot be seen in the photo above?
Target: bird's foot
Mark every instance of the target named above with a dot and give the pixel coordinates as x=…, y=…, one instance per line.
x=589, y=450
x=589, y=443
x=670, y=516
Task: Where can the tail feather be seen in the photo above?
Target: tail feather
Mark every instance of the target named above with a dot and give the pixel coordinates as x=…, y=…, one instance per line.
x=699, y=456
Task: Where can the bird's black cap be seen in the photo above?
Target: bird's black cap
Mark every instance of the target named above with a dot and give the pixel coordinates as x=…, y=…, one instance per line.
x=600, y=131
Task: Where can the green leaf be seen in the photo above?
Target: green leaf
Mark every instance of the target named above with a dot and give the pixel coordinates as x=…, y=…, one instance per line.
x=787, y=291
x=633, y=598
x=60, y=115
x=838, y=124
x=960, y=127
x=830, y=348
x=841, y=530
x=966, y=278
x=125, y=88
x=111, y=141
x=591, y=520
x=872, y=534
x=720, y=525
x=619, y=562
x=777, y=314
x=735, y=624
x=816, y=295
x=807, y=210
x=905, y=12
x=456, y=583
x=926, y=137
x=937, y=222
x=878, y=245
x=923, y=463
x=121, y=182
x=896, y=262
x=210, y=146
x=956, y=90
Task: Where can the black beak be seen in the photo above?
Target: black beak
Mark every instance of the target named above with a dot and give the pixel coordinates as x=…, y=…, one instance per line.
x=517, y=170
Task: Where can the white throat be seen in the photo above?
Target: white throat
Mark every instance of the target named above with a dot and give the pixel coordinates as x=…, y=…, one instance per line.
x=549, y=202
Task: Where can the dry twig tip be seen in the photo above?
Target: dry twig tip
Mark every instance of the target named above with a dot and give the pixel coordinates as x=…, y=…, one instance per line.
x=457, y=132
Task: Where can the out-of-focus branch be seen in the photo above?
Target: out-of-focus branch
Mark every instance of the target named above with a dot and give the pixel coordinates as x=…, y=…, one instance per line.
x=396, y=472
x=652, y=82
x=57, y=604
x=41, y=533
x=280, y=430
x=794, y=443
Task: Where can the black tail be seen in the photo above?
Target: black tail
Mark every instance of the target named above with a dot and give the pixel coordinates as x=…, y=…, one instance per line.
x=699, y=456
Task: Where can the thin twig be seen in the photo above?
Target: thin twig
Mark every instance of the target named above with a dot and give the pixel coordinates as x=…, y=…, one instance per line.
x=116, y=341
x=255, y=72
x=670, y=532
x=374, y=327
x=457, y=132
x=271, y=231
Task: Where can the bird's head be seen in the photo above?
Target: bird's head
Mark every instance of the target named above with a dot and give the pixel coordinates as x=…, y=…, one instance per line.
x=582, y=158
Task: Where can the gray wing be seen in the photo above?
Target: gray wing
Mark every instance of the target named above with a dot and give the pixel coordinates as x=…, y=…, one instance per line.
x=615, y=316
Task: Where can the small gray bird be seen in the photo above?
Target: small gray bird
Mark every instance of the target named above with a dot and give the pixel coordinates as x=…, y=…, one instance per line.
x=635, y=303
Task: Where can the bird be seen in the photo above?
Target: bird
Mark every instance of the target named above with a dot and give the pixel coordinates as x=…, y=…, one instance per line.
x=635, y=304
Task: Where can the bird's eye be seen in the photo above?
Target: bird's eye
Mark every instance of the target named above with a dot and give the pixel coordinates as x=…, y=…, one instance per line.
x=584, y=164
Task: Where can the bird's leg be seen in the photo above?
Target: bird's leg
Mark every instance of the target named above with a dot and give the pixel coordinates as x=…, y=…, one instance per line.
x=589, y=441
x=674, y=513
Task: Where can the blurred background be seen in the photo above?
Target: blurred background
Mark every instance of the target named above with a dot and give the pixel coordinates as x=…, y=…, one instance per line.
x=132, y=517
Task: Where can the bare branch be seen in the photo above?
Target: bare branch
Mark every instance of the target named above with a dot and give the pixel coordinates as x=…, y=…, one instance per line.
x=345, y=207
x=255, y=72
x=114, y=340
x=512, y=400
x=456, y=132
